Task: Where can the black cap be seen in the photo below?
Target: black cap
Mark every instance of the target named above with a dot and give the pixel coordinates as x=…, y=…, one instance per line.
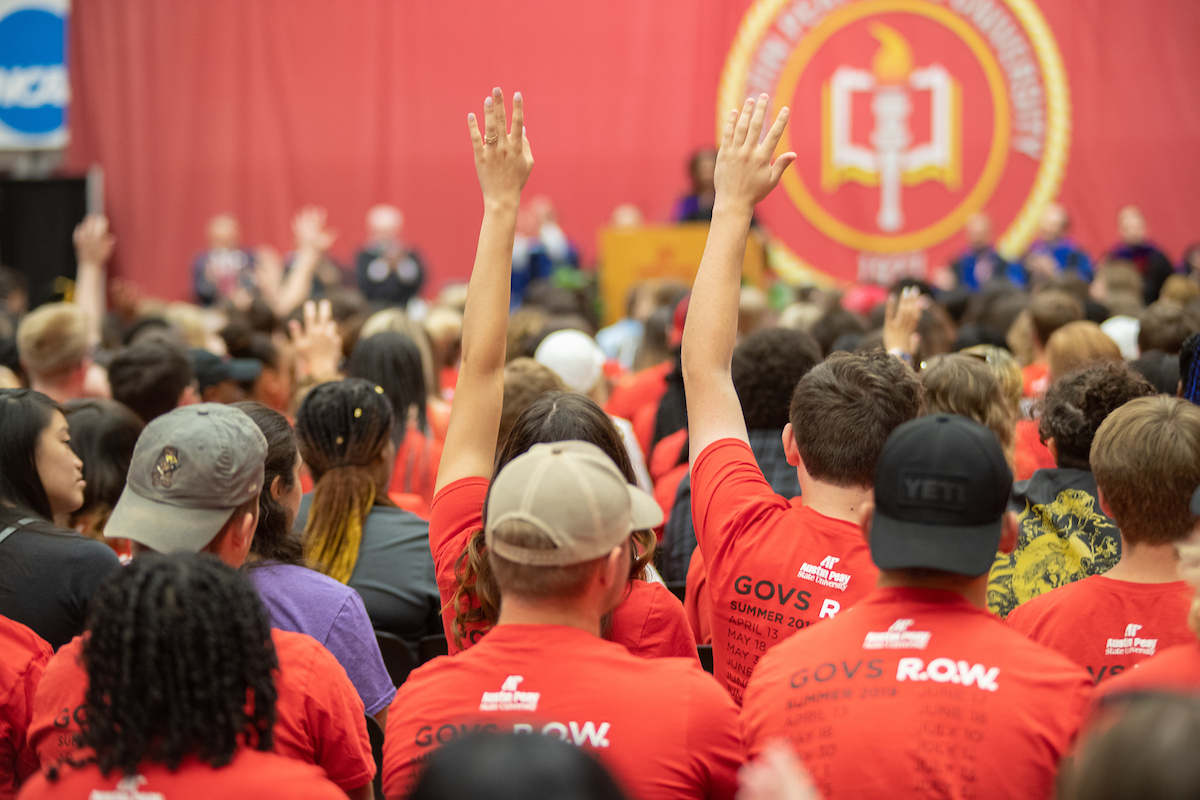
x=941, y=490
x=211, y=369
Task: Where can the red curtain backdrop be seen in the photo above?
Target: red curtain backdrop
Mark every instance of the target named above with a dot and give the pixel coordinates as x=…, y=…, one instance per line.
x=257, y=107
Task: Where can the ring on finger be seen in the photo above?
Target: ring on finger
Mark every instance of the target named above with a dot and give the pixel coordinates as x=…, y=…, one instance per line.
x=492, y=140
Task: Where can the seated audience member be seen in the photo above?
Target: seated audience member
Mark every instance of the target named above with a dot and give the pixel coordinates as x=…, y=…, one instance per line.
x=621, y=340
x=559, y=573
x=765, y=369
x=194, y=485
x=298, y=598
x=437, y=410
x=1164, y=326
x=1076, y=345
x=23, y=660
x=578, y=360
x=649, y=621
x=153, y=377
x=1053, y=251
x=960, y=384
x=1049, y=310
x=221, y=380
x=353, y=532
x=778, y=566
x=1148, y=753
x=1160, y=369
x=14, y=292
x=1029, y=454
x=1063, y=533
x=52, y=345
x=540, y=248
x=225, y=271
x=273, y=384
x=176, y=691
x=389, y=271
x=646, y=387
x=525, y=380
x=391, y=360
x=1143, y=254
x=103, y=435
x=514, y=767
x=1144, y=461
x=888, y=686
x=443, y=324
x=1180, y=289
x=697, y=205
x=47, y=573
x=979, y=263
x=1189, y=369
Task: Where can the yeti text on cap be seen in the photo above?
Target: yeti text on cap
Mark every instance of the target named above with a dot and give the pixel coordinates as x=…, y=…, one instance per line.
x=933, y=491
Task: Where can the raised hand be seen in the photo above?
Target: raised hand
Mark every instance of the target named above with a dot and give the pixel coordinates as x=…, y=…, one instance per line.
x=308, y=228
x=503, y=159
x=745, y=173
x=93, y=243
x=903, y=315
x=317, y=341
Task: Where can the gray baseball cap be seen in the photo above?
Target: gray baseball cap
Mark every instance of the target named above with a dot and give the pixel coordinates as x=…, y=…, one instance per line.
x=191, y=468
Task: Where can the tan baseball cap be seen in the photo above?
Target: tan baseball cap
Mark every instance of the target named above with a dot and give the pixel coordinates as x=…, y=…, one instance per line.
x=574, y=494
x=191, y=468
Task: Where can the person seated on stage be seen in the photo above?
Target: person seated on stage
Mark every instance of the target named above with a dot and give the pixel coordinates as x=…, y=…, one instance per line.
x=1053, y=251
x=1144, y=461
x=390, y=272
x=979, y=263
x=174, y=692
x=779, y=565
x=544, y=667
x=1164, y=326
x=194, y=487
x=1076, y=345
x=860, y=697
x=1143, y=254
x=225, y=271
x=697, y=205
x=153, y=377
x=23, y=659
x=649, y=621
x=1064, y=534
x=53, y=347
x=1049, y=310
x=540, y=247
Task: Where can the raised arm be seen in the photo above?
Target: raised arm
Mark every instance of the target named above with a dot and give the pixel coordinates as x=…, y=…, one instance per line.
x=744, y=176
x=93, y=247
x=502, y=161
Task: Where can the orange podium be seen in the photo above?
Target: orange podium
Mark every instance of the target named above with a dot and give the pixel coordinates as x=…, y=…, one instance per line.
x=630, y=255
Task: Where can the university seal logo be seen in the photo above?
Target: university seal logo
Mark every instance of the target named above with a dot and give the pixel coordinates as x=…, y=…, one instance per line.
x=908, y=116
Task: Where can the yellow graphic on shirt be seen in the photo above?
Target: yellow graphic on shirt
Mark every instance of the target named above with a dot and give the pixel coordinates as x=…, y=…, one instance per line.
x=1057, y=543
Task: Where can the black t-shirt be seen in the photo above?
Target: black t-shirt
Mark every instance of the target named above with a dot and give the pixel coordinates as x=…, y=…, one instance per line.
x=48, y=575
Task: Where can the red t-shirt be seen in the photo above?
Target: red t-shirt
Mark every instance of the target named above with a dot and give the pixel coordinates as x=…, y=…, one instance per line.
x=650, y=621
x=1031, y=455
x=1107, y=625
x=23, y=658
x=917, y=693
x=1035, y=379
x=319, y=717
x=416, y=466
x=641, y=388
x=696, y=602
x=249, y=774
x=663, y=726
x=774, y=566
x=1176, y=669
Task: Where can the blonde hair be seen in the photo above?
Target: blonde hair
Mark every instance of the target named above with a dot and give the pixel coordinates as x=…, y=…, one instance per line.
x=52, y=340
x=1005, y=368
x=1076, y=344
x=1180, y=289
x=962, y=384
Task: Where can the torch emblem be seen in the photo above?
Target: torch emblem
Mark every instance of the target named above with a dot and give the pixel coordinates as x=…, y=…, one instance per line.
x=890, y=159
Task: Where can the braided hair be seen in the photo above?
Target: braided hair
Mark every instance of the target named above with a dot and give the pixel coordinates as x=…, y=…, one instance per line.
x=179, y=659
x=342, y=427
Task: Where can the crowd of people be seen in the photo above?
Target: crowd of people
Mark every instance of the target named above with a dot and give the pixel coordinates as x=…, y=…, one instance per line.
x=932, y=540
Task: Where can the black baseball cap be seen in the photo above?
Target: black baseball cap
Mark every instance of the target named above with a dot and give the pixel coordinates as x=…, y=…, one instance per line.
x=941, y=490
x=211, y=369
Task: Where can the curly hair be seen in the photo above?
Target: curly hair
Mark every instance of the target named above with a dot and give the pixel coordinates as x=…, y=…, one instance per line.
x=179, y=662
x=844, y=410
x=1076, y=405
x=767, y=365
x=342, y=427
x=553, y=417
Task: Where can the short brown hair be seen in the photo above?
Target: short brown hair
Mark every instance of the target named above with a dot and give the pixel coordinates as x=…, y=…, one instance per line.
x=844, y=410
x=1119, y=275
x=1180, y=289
x=52, y=340
x=536, y=582
x=1164, y=326
x=1050, y=310
x=1144, y=460
x=1076, y=345
x=525, y=380
x=961, y=384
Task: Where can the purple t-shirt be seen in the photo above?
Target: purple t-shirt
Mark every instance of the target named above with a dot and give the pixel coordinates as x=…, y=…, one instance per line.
x=305, y=601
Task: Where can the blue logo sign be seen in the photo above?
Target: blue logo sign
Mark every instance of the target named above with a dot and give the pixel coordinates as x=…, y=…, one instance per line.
x=34, y=87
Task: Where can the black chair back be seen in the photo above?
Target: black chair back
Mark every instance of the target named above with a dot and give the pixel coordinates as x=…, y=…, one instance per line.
x=430, y=647
x=706, y=657
x=397, y=656
x=376, y=735
x=678, y=588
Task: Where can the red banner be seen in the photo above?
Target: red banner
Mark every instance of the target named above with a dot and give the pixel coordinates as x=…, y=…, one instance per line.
x=908, y=116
